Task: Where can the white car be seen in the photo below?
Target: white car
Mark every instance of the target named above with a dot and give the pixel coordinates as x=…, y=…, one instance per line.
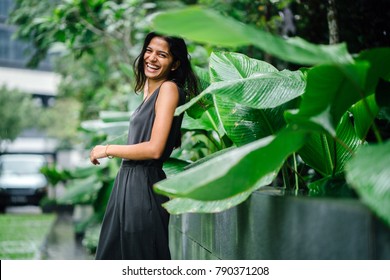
x=21, y=182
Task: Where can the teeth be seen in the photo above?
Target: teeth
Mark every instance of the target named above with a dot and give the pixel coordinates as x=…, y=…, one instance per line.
x=152, y=66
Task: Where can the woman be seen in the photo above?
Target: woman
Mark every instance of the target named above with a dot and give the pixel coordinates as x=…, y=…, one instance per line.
x=135, y=225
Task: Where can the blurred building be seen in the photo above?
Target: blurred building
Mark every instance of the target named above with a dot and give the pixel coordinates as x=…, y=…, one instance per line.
x=41, y=82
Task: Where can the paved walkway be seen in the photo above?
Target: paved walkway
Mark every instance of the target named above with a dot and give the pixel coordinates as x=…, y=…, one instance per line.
x=62, y=243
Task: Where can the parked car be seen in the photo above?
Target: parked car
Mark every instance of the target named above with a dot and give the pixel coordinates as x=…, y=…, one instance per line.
x=21, y=182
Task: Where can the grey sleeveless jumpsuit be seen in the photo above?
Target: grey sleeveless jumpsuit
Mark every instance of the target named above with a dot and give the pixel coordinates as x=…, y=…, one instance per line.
x=135, y=225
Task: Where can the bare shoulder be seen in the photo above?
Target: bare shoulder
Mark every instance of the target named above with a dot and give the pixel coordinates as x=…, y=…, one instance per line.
x=169, y=87
x=168, y=96
x=169, y=91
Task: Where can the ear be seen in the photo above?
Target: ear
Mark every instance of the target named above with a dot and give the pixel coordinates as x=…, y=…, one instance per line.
x=175, y=65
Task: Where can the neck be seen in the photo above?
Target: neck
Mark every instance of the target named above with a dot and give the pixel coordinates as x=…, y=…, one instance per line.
x=153, y=85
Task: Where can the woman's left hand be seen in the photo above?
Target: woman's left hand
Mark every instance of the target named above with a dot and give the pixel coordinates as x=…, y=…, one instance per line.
x=97, y=152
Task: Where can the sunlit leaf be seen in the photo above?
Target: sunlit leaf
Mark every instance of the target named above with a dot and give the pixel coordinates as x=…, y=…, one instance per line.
x=232, y=66
x=206, y=26
x=253, y=83
x=236, y=171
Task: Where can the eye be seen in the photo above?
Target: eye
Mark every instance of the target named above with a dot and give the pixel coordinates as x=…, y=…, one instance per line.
x=148, y=51
x=162, y=55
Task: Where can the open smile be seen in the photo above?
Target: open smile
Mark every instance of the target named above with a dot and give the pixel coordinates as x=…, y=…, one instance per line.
x=152, y=67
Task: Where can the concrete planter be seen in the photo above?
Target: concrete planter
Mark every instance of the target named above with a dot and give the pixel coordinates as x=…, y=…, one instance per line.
x=282, y=227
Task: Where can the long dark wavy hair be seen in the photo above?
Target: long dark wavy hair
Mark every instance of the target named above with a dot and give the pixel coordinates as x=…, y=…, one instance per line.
x=183, y=76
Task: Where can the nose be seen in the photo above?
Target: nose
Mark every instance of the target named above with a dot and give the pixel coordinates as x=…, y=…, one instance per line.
x=152, y=57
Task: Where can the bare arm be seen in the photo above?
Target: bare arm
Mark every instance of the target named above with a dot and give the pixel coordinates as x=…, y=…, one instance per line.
x=166, y=104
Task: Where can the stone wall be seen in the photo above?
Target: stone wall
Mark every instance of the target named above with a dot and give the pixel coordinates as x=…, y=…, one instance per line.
x=282, y=227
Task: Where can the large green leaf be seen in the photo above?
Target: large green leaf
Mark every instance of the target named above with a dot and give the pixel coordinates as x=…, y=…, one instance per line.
x=378, y=69
x=325, y=154
x=207, y=26
x=331, y=90
x=187, y=205
x=250, y=82
x=236, y=171
x=364, y=113
x=244, y=124
x=242, y=87
x=264, y=90
x=202, y=123
x=238, y=106
x=206, y=101
x=369, y=173
x=173, y=166
x=114, y=116
x=110, y=128
x=226, y=66
x=318, y=153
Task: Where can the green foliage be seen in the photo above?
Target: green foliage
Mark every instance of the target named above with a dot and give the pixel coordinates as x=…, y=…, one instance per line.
x=252, y=123
x=32, y=18
x=330, y=91
x=227, y=175
x=17, y=111
x=335, y=104
x=52, y=121
x=95, y=43
x=54, y=175
x=208, y=25
x=241, y=89
x=369, y=173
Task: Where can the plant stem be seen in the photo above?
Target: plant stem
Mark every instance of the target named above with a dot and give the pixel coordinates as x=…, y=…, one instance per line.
x=325, y=148
x=296, y=174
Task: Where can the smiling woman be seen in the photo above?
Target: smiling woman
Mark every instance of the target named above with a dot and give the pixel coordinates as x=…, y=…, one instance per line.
x=135, y=225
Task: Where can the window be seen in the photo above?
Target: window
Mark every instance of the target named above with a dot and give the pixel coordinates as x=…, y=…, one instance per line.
x=5, y=6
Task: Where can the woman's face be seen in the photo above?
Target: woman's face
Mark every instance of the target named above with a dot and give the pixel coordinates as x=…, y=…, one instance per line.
x=158, y=60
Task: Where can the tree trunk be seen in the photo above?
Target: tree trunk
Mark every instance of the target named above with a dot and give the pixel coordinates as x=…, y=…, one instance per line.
x=332, y=23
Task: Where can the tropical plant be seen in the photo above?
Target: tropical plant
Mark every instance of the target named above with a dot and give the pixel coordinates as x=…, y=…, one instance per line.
x=319, y=115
